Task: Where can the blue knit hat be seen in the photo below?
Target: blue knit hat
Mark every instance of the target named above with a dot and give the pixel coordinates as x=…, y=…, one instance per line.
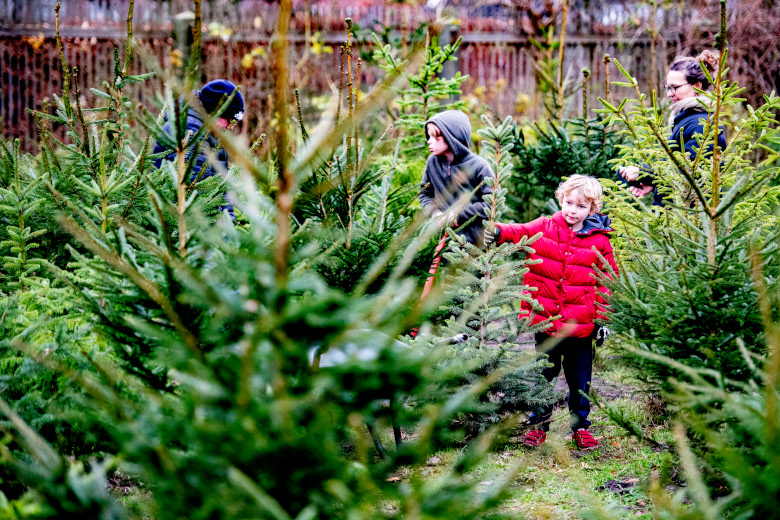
x=214, y=93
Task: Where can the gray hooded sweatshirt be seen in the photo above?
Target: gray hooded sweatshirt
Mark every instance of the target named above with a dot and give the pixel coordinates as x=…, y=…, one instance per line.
x=443, y=183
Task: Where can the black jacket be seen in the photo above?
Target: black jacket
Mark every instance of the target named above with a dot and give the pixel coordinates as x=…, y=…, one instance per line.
x=687, y=124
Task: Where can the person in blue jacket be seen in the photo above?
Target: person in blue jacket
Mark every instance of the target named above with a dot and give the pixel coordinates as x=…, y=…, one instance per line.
x=206, y=102
x=689, y=112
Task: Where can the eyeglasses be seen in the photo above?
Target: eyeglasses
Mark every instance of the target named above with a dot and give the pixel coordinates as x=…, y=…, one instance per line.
x=672, y=89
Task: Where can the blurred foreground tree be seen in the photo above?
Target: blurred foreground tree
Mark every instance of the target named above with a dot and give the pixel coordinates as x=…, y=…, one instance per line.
x=213, y=399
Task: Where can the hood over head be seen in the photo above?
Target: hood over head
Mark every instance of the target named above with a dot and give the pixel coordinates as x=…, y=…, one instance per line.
x=455, y=126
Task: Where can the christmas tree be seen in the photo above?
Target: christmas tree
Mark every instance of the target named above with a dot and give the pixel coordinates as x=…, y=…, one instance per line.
x=425, y=92
x=545, y=153
x=485, y=289
x=687, y=293
x=212, y=399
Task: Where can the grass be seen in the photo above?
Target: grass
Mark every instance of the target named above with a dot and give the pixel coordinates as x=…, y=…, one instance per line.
x=557, y=481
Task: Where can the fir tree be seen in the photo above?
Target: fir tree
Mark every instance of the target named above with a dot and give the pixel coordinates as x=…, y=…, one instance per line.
x=424, y=93
x=19, y=201
x=577, y=146
x=95, y=166
x=351, y=206
x=550, y=152
x=214, y=402
x=686, y=292
x=704, y=274
x=485, y=289
x=725, y=430
x=36, y=311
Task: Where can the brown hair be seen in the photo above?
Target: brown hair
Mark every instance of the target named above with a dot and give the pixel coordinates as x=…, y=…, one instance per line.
x=692, y=67
x=583, y=186
x=433, y=130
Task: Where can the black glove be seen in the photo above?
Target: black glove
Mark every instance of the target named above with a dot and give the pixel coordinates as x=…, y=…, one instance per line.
x=492, y=235
x=601, y=335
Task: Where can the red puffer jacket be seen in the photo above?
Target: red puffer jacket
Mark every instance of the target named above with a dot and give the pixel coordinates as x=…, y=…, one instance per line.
x=565, y=279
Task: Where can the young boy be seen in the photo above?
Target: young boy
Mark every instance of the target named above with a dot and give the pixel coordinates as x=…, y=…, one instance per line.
x=206, y=102
x=567, y=286
x=453, y=169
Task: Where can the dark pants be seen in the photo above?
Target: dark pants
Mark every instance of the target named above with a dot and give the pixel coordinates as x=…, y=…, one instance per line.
x=576, y=357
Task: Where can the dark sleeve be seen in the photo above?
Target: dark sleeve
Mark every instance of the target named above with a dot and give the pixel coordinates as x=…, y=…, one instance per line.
x=157, y=149
x=200, y=159
x=427, y=194
x=690, y=143
x=200, y=162
x=647, y=177
x=222, y=157
x=708, y=148
x=478, y=207
x=690, y=133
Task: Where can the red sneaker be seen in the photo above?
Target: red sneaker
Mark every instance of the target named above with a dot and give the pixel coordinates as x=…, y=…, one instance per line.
x=534, y=438
x=584, y=439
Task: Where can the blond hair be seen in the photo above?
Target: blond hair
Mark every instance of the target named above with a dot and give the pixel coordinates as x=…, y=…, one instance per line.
x=585, y=187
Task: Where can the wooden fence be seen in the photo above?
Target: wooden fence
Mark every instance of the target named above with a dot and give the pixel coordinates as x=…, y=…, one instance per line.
x=499, y=64
x=501, y=75
x=250, y=17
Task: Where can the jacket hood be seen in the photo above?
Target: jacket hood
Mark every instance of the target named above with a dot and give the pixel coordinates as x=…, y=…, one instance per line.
x=596, y=223
x=456, y=129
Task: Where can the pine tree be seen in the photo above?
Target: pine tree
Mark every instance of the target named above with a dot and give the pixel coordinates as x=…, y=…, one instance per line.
x=36, y=311
x=19, y=201
x=583, y=145
x=351, y=207
x=577, y=146
x=686, y=292
x=213, y=400
x=703, y=273
x=95, y=166
x=101, y=175
x=725, y=430
x=484, y=289
x=424, y=93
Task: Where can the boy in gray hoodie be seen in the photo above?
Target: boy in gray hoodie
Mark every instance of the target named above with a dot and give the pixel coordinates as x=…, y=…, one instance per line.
x=453, y=169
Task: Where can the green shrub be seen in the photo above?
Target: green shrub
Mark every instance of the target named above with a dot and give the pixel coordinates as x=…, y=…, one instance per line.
x=549, y=153
x=211, y=398
x=686, y=290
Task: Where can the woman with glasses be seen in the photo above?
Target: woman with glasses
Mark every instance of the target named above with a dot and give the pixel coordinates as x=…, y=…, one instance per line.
x=689, y=112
